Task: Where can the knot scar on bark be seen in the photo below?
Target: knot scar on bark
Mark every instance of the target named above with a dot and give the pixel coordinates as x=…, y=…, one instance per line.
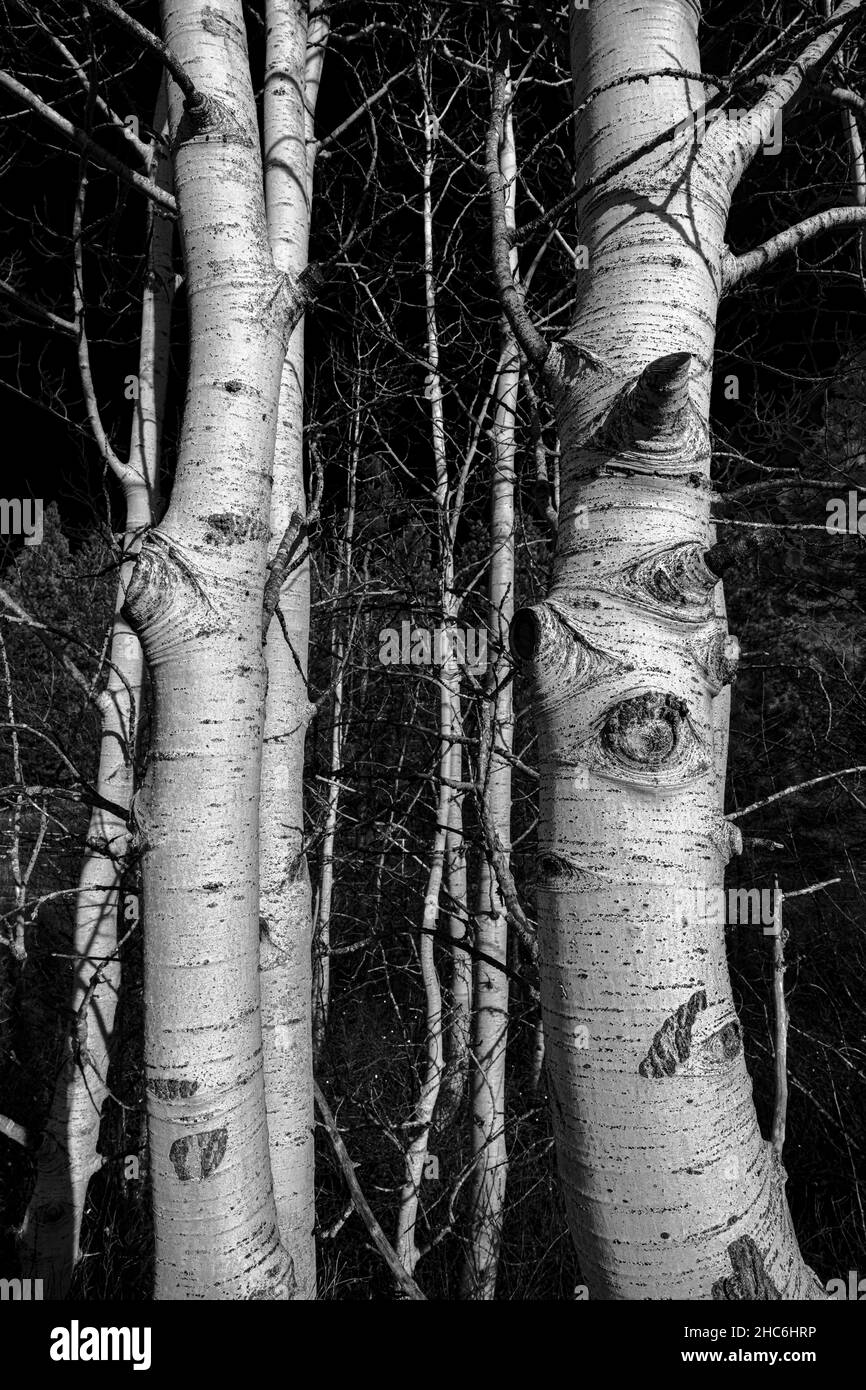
x=645, y=730
x=732, y=552
x=195, y=1157
x=653, y=424
x=717, y=654
x=524, y=634
x=675, y=582
x=205, y=116
x=726, y=839
x=659, y=404
x=550, y=638
x=750, y=1280
x=166, y=602
x=672, y=1043
x=279, y=568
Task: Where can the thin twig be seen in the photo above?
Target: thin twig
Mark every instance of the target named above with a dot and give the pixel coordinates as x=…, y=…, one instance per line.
x=404, y=1281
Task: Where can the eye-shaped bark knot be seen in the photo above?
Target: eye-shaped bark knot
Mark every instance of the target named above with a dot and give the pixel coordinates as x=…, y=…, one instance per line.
x=645, y=731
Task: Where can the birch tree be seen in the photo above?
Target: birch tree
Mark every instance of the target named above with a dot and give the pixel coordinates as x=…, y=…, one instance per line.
x=671, y=1190
x=196, y=600
x=490, y=1020
x=296, y=41
x=68, y=1155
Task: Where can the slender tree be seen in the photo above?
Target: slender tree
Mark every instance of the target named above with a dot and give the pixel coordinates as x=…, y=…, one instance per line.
x=490, y=1020
x=69, y=1156
x=296, y=40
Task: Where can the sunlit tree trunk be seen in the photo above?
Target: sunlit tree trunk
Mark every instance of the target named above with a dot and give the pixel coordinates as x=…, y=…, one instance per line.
x=490, y=1019
x=458, y=1020
x=406, y=1244
x=196, y=600
x=325, y=894
x=295, y=49
x=671, y=1190
x=68, y=1157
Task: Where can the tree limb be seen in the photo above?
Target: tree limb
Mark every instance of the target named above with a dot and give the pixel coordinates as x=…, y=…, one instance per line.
x=789, y=791
x=737, y=268
x=744, y=138
x=89, y=147
x=36, y=310
x=536, y=347
x=404, y=1281
x=193, y=98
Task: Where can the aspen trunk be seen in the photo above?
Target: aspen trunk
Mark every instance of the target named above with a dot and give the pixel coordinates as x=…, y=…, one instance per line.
x=325, y=894
x=672, y=1192
x=196, y=601
x=458, y=1022
x=490, y=1021
x=406, y=1244
x=68, y=1156
x=295, y=47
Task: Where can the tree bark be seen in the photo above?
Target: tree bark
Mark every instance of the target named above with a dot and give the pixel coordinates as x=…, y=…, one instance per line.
x=196, y=602
x=68, y=1156
x=490, y=1021
x=295, y=49
x=671, y=1190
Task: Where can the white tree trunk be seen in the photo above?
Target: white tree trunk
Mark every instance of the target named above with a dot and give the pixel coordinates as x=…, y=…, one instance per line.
x=295, y=48
x=672, y=1192
x=458, y=1020
x=490, y=1022
x=406, y=1244
x=196, y=601
x=68, y=1156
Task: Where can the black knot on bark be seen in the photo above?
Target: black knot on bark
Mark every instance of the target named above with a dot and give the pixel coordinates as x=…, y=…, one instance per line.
x=198, y=112
x=645, y=730
x=737, y=548
x=524, y=634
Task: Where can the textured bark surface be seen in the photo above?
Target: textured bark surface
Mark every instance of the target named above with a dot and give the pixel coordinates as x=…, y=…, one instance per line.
x=196, y=601
x=490, y=1022
x=666, y=1175
x=68, y=1156
x=295, y=48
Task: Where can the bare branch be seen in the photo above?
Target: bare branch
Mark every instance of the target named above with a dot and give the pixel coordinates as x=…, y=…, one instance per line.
x=89, y=147
x=789, y=791
x=843, y=96
x=194, y=100
x=741, y=140
x=737, y=268
x=279, y=567
x=404, y=1281
x=537, y=349
x=36, y=310
x=14, y=1131
x=69, y=666
x=109, y=456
